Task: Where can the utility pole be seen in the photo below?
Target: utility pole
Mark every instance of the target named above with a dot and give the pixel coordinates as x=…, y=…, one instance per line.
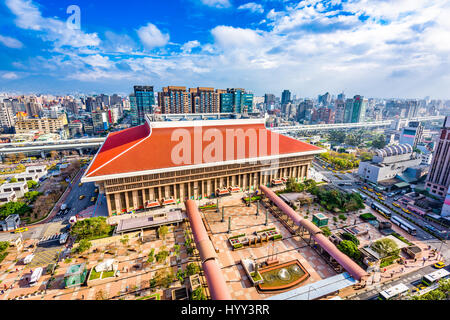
x=267, y=217
x=229, y=224
x=223, y=214
x=257, y=208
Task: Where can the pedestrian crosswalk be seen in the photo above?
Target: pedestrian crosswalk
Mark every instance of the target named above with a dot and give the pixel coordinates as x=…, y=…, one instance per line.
x=50, y=238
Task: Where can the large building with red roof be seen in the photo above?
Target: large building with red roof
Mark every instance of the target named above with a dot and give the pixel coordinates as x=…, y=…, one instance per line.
x=163, y=162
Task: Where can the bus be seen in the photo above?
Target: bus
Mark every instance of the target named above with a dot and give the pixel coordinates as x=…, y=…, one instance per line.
x=393, y=292
x=434, y=277
x=363, y=196
x=35, y=276
x=381, y=210
x=404, y=225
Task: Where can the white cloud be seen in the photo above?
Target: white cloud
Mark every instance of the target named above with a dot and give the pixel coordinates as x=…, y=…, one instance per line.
x=56, y=31
x=10, y=76
x=188, y=46
x=11, y=42
x=217, y=3
x=97, y=60
x=253, y=7
x=151, y=37
x=231, y=38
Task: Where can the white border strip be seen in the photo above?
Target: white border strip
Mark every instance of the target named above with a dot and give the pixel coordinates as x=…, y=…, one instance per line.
x=197, y=166
x=206, y=123
x=125, y=151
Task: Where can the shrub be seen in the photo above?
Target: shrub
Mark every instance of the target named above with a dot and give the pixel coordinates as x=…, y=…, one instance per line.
x=342, y=217
x=367, y=217
x=162, y=256
x=350, y=249
x=351, y=237
x=326, y=231
x=192, y=269
x=198, y=294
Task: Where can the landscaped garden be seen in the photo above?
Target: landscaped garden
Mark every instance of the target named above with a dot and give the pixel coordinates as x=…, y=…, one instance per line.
x=92, y=228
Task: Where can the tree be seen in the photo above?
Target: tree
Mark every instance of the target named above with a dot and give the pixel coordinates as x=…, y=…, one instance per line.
x=350, y=249
x=17, y=207
x=337, y=136
x=198, y=294
x=326, y=231
x=124, y=240
x=349, y=236
x=31, y=184
x=84, y=245
x=192, y=269
x=162, y=256
x=163, y=231
x=151, y=256
x=366, y=156
x=13, y=180
x=386, y=247
x=379, y=142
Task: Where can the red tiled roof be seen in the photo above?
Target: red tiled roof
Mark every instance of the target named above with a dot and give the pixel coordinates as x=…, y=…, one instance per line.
x=135, y=149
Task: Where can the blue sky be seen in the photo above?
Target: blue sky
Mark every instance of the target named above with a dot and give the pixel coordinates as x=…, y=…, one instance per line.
x=376, y=48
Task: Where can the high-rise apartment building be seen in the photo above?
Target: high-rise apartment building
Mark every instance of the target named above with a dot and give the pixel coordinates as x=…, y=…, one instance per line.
x=438, y=179
x=348, y=110
x=204, y=100
x=6, y=117
x=141, y=102
x=174, y=99
x=340, y=111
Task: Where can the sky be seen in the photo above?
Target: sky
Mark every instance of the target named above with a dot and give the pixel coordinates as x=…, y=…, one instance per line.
x=375, y=48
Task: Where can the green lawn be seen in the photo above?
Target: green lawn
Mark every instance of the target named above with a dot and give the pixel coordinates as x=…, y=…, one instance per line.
x=107, y=274
x=157, y=296
x=94, y=274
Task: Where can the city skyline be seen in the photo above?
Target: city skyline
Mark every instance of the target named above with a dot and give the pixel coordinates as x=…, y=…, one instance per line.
x=358, y=47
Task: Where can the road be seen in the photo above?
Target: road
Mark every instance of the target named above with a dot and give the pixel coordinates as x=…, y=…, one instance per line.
x=411, y=280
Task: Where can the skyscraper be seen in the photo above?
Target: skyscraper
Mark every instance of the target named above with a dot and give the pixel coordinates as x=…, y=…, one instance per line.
x=141, y=102
x=340, y=110
x=411, y=134
x=285, y=97
x=359, y=109
x=348, y=110
x=438, y=179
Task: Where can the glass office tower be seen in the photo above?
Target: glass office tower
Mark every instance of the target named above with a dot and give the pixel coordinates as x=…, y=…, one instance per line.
x=141, y=102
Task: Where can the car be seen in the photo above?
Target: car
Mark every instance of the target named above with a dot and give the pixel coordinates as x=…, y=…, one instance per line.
x=80, y=184
x=381, y=198
x=378, y=194
x=395, y=204
x=439, y=265
x=93, y=199
x=20, y=230
x=419, y=287
x=406, y=210
x=365, y=188
x=81, y=197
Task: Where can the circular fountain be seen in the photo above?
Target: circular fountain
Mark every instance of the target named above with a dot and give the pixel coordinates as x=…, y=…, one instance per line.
x=284, y=275
x=295, y=269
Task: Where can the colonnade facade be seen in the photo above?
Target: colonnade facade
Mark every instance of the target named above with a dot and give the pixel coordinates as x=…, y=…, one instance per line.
x=132, y=193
